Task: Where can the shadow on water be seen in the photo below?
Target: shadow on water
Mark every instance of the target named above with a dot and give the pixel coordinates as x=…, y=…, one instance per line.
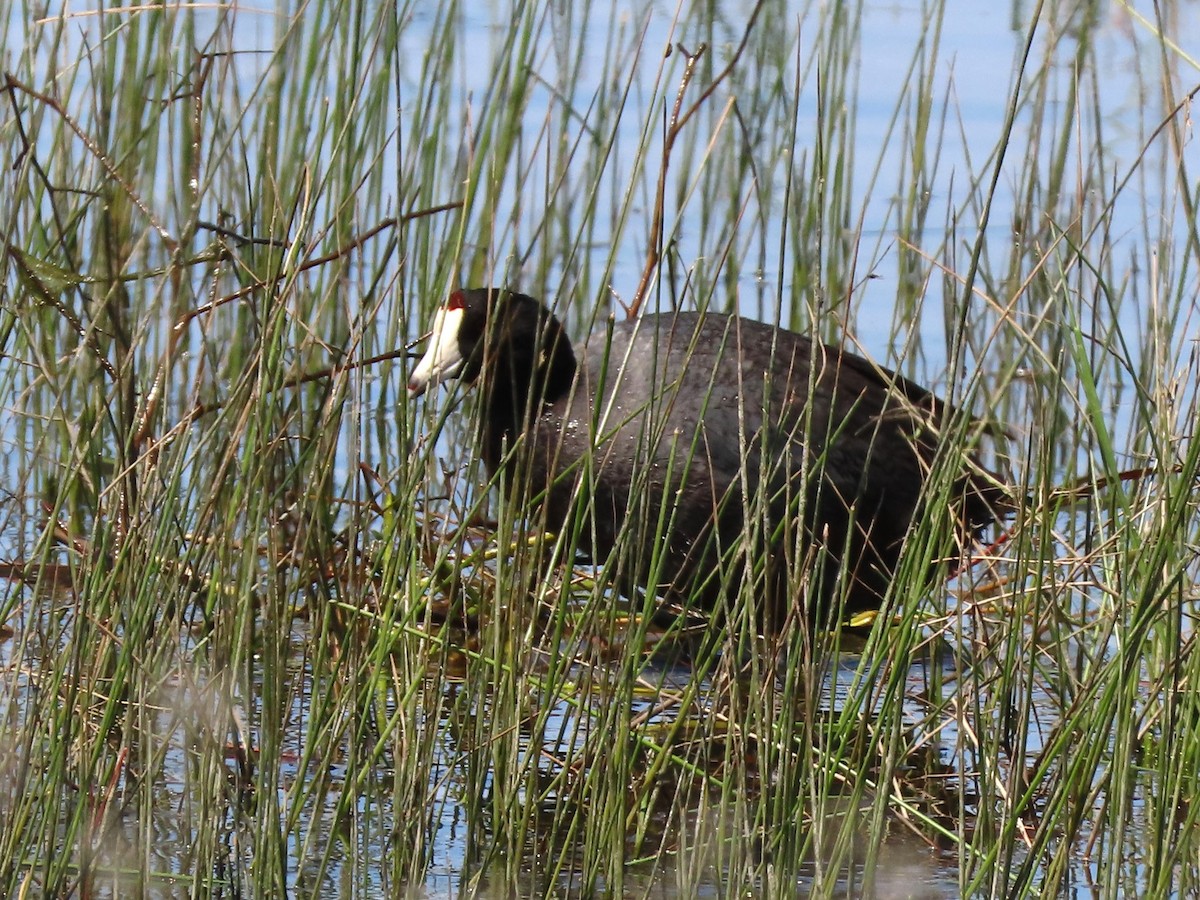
x=680, y=824
x=246, y=648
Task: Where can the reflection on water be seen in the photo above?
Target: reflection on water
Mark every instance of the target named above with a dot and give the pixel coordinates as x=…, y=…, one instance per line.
x=356, y=811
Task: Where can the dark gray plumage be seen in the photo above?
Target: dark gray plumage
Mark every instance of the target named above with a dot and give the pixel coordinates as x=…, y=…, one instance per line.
x=704, y=436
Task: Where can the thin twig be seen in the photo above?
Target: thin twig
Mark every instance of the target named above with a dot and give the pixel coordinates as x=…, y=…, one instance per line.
x=679, y=118
x=12, y=84
x=391, y=222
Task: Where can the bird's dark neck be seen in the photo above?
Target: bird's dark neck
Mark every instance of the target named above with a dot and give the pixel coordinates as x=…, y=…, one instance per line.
x=529, y=371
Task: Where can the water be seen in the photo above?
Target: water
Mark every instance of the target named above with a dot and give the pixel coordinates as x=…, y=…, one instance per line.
x=979, y=49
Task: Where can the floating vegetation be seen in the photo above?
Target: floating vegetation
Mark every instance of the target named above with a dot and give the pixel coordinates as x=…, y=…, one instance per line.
x=267, y=630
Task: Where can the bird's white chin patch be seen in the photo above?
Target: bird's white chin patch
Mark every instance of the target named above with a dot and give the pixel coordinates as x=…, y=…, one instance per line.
x=443, y=357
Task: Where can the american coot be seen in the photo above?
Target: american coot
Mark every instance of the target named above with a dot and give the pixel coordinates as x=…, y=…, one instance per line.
x=697, y=444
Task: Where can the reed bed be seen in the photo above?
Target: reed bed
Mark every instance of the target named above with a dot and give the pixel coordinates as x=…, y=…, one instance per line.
x=267, y=631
